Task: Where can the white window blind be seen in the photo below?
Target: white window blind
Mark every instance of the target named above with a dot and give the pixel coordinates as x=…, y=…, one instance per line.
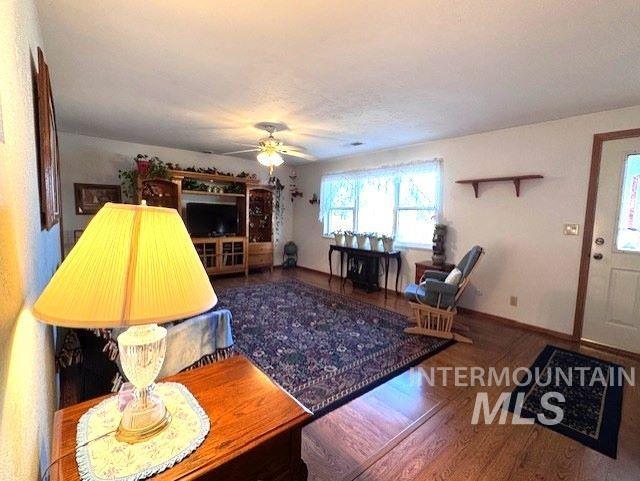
x=402, y=201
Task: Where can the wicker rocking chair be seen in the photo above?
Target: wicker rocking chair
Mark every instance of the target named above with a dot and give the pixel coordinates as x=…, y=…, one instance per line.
x=433, y=301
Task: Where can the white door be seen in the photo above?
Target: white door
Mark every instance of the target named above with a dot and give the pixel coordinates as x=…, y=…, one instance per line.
x=612, y=310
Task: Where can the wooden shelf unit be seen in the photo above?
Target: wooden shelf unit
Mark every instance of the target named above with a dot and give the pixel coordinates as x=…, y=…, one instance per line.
x=222, y=255
x=260, y=226
x=251, y=247
x=204, y=192
x=512, y=178
x=181, y=174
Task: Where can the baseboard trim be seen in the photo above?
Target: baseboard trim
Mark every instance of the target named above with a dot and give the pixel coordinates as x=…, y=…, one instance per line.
x=337, y=276
x=610, y=349
x=512, y=322
x=309, y=269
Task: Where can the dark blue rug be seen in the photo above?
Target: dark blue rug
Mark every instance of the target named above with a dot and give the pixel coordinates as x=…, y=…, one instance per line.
x=593, y=403
x=323, y=348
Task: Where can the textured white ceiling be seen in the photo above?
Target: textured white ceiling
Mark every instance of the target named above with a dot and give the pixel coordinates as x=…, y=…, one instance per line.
x=198, y=74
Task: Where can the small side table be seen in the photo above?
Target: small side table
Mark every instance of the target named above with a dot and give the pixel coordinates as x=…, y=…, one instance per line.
x=422, y=266
x=255, y=428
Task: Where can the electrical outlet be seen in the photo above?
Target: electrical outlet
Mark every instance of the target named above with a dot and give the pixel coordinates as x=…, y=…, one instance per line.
x=513, y=301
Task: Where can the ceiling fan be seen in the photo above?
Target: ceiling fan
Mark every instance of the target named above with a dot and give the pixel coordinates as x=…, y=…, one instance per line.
x=270, y=150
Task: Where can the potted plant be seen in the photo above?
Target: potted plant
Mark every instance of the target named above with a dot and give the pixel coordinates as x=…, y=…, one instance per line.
x=361, y=239
x=339, y=237
x=146, y=168
x=142, y=163
x=387, y=242
x=348, y=238
x=374, y=245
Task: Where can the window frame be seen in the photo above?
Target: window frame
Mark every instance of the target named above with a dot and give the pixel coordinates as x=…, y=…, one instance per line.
x=621, y=182
x=396, y=208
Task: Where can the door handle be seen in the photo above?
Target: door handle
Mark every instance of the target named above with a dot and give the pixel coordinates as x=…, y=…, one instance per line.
x=597, y=256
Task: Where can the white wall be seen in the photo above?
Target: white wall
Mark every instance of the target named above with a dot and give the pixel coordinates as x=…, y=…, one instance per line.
x=28, y=257
x=527, y=254
x=95, y=160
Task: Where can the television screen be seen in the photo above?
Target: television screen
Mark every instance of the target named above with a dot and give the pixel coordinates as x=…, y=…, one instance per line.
x=206, y=220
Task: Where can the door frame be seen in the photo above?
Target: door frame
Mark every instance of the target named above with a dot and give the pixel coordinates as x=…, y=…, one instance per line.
x=589, y=219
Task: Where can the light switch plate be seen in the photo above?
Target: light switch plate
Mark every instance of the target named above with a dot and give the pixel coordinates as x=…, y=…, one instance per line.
x=571, y=229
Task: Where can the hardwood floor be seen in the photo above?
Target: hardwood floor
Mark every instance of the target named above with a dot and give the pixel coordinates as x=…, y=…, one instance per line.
x=408, y=430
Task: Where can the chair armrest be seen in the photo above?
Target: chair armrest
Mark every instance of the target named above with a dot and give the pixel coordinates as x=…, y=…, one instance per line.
x=440, y=276
x=439, y=287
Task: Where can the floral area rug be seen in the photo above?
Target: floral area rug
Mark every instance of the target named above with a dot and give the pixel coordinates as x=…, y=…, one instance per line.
x=323, y=348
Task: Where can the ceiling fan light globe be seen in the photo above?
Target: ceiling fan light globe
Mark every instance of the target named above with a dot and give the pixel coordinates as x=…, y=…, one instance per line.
x=269, y=159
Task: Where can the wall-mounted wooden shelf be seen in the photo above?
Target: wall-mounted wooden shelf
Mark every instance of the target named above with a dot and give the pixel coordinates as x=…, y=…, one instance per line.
x=205, y=192
x=180, y=174
x=512, y=178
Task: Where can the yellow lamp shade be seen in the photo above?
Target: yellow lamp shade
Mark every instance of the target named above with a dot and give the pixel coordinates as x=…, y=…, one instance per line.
x=134, y=264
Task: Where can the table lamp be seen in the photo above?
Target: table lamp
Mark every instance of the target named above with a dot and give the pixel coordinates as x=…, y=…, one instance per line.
x=134, y=266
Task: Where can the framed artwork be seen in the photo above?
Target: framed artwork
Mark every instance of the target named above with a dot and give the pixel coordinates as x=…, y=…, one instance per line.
x=76, y=235
x=91, y=197
x=49, y=157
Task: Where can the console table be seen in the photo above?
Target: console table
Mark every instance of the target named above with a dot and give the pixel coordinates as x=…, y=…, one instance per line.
x=379, y=255
x=255, y=428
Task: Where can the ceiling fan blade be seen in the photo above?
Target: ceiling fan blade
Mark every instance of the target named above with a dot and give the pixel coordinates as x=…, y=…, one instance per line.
x=240, y=151
x=318, y=136
x=245, y=145
x=295, y=153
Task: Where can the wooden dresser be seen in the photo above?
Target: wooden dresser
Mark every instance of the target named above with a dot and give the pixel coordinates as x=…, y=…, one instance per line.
x=255, y=428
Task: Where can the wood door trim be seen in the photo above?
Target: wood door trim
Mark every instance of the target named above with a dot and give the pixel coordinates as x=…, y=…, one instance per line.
x=589, y=219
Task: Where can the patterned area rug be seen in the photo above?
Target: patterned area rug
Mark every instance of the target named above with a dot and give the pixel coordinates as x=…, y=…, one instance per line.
x=323, y=348
x=592, y=389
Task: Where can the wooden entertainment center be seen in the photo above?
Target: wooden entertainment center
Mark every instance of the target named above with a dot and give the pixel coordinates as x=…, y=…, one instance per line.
x=250, y=247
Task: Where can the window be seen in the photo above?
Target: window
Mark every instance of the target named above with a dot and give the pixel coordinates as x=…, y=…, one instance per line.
x=402, y=201
x=628, y=238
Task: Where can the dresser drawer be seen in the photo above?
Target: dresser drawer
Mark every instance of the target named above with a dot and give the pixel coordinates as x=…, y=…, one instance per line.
x=260, y=260
x=260, y=248
x=274, y=460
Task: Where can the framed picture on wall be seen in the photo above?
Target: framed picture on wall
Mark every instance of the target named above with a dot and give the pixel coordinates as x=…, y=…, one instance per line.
x=91, y=197
x=49, y=158
x=76, y=235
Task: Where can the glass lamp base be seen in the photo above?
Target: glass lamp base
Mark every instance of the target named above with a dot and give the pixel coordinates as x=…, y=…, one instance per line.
x=142, y=419
x=142, y=350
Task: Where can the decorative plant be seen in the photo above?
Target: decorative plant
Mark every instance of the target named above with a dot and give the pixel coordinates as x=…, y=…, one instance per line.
x=387, y=242
x=348, y=238
x=361, y=239
x=129, y=182
x=278, y=205
x=373, y=240
x=146, y=168
x=338, y=235
x=314, y=199
x=235, y=188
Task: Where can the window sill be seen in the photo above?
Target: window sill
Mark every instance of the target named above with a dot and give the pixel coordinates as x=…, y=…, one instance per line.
x=414, y=247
